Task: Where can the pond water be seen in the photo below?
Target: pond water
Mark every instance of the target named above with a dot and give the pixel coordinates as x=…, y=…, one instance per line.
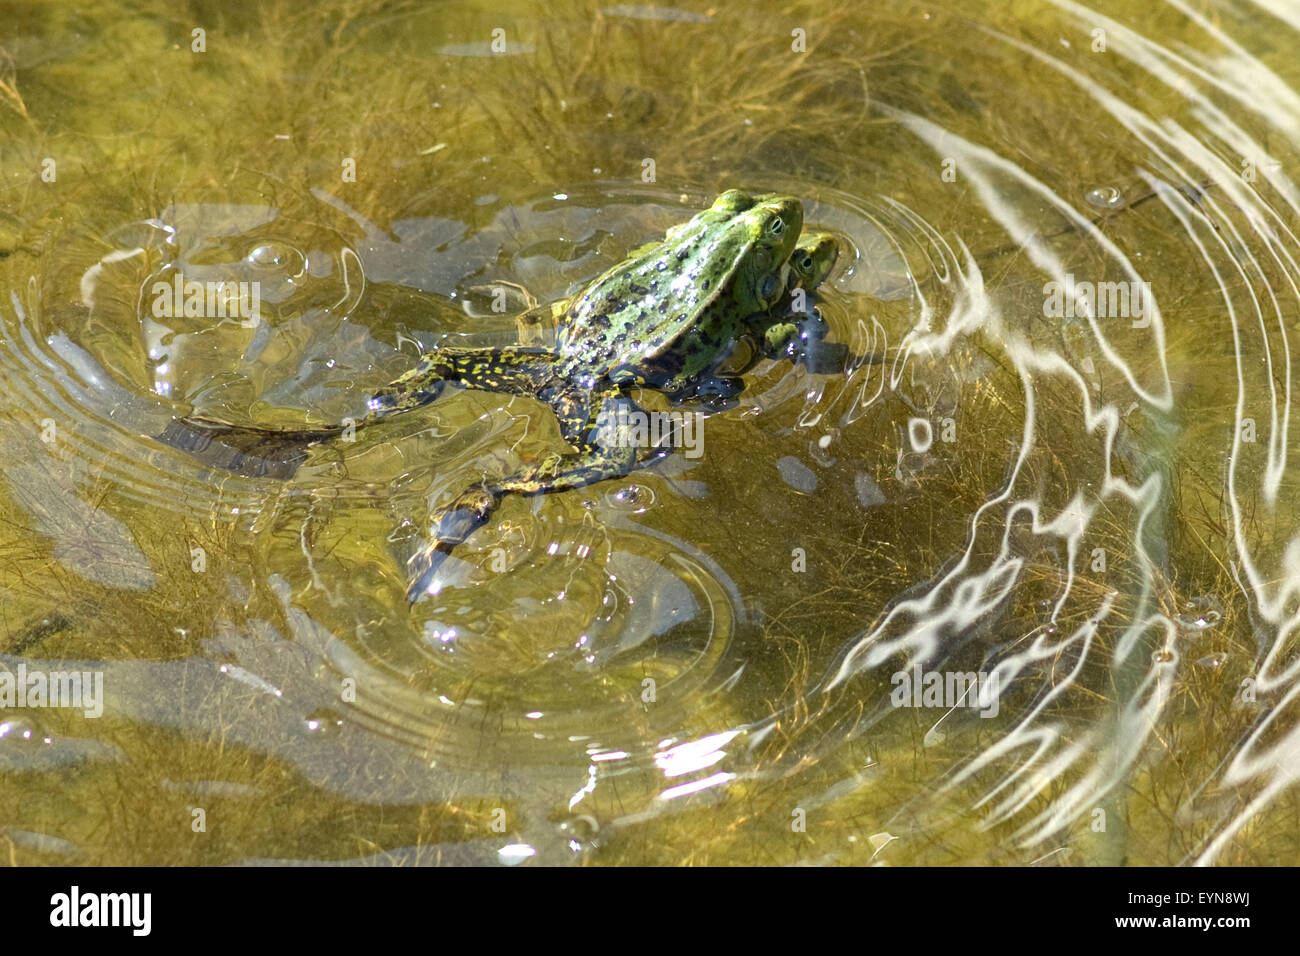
x=1043, y=443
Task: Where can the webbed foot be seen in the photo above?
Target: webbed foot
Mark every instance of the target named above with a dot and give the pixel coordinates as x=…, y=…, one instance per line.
x=449, y=527
x=601, y=453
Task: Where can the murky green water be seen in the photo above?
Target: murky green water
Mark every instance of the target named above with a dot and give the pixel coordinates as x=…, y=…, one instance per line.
x=1092, y=509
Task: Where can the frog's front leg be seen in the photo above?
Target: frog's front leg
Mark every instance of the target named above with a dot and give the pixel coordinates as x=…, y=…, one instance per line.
x=510, y=370
x=778, y=338
x=602, y=451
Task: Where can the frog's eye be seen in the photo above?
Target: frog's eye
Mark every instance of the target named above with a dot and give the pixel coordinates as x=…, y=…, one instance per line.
x=731, y=199
x=777, y=226
x=805, y=263
x=768, y=288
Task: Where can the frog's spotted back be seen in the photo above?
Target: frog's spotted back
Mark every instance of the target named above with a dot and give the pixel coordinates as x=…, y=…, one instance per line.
x=707, y=276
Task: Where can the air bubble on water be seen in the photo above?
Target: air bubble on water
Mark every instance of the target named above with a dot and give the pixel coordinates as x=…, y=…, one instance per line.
x=818, y=450
x=634, y=498
x=581, y=831
x=270, y=255
x=1213, y=661
x=1200, y=614
x=1104, y=197
x=920, y=434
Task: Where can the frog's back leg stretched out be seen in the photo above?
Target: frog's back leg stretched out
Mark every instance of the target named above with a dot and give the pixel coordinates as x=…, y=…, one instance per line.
x=277, y=452
x=251, y=452
x=588, y=423
x=512, y=370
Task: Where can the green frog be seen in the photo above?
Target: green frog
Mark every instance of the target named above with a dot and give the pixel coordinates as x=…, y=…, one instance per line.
x=812, y=261
x=665, y=318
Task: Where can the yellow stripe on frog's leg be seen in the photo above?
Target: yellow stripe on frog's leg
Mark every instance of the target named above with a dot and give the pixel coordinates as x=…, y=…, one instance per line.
x=591, y=463
x=572, y=409
x=510, y=370
x=601, y=453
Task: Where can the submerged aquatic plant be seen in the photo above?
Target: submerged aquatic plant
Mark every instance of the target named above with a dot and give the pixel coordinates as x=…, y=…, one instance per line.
x=9, y=94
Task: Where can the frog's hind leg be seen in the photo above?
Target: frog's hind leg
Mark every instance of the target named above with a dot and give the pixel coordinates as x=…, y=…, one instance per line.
x=600, y=453
x=512, y=370
x=256, y=451
x=244, y=449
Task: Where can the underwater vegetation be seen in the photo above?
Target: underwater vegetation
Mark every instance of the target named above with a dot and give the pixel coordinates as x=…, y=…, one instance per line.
x=996, y=564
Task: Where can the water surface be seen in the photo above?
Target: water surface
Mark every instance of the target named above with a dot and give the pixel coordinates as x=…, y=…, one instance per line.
x=984, y=467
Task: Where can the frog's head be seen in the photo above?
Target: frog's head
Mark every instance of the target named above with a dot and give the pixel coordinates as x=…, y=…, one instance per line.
x=772, y=227
x=813, y=258
x=725, y=208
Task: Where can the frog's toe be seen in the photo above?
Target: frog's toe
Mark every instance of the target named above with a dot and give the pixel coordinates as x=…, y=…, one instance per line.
x=244, y=450
x=448, y=528
x=403, y=395
x=421, y=569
